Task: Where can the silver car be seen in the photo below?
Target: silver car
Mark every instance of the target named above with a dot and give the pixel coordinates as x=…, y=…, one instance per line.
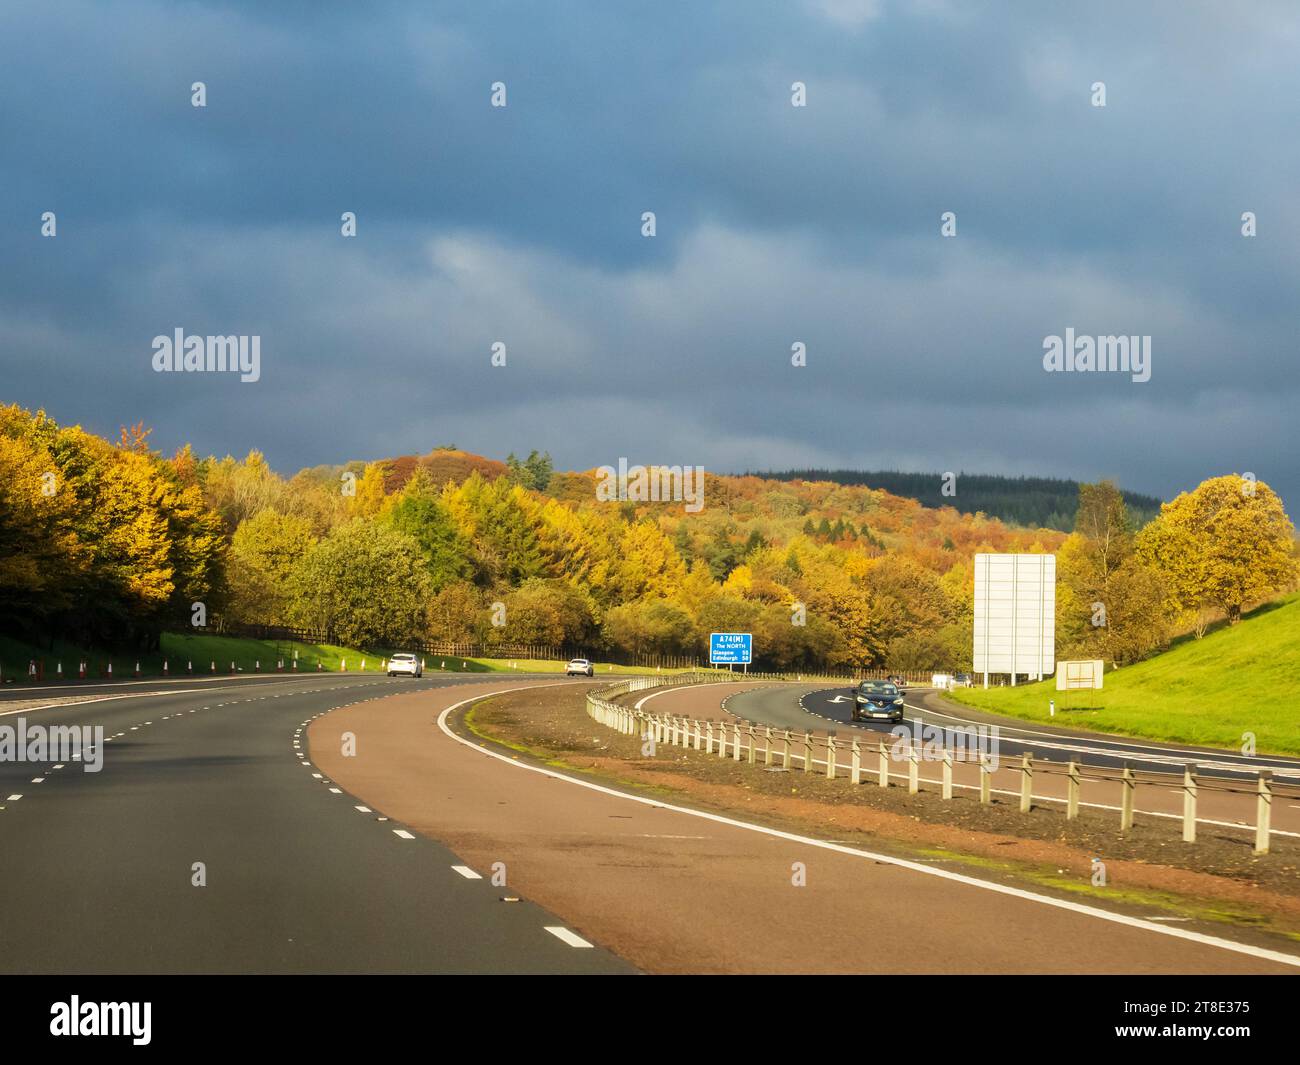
x=579, y=667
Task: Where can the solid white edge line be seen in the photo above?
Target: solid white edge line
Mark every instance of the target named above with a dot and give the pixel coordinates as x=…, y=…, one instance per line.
x=901, y=863
x=467, y=872
x=403, y=833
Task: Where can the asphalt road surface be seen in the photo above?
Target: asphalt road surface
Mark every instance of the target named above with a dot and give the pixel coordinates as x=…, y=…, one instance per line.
x=98, y=867
x=336, y=867
x=675, y=889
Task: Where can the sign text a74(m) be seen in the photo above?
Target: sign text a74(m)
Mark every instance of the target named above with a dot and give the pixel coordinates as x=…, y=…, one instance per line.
x=731, y=648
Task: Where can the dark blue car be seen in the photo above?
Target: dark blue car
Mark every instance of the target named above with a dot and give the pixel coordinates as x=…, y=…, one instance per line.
x=877, y=700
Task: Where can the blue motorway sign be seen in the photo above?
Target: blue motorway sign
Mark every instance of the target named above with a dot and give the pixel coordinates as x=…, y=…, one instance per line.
x=731, y=648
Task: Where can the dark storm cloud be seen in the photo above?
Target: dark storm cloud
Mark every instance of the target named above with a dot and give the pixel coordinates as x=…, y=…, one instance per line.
x=776, y=224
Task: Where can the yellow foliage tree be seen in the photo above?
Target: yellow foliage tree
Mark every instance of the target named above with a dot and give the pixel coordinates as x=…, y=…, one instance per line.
x=1228, y=543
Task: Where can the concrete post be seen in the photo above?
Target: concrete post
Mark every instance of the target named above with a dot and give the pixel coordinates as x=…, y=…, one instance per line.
x=1072, y=791
x=785, y=753
x=708, y=737
x=986, y=781
x=882, y=770
x=855, y=762
x=1026, y=782
x=767, y=745
x=1189, y=804
x=1263, y=810
x=947, y=774
x=807, y=751
x=830, y=756
x=753, y=746
x=735, y=736
x=1129, y=784
x=913, y=770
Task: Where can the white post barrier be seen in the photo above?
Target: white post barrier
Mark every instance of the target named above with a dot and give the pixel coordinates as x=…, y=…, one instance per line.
x=1129, y=784
x=1263, y=811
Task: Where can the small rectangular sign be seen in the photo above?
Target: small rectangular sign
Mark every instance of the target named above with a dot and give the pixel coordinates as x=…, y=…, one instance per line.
x=731, y=648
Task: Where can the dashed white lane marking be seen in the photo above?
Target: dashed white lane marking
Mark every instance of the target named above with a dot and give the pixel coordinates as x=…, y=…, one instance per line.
x=13, y=798
x=403, y=833
x=467, y=872
x=337, y=791
x=59, y=766
x=319, y=776
x=565, y=936
x=363, y=809
x=38, y=780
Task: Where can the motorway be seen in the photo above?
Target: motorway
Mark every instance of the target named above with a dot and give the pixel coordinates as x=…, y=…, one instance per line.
x=317, y=861
x=97, y=867
x=820, y=709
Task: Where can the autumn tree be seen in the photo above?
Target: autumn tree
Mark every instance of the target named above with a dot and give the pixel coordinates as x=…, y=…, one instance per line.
x=265, y=554
x=366, y=583
x=1228, y=542
x=551, y=612
x=457, y=614
x=1109, y=601
x=649, y=626
x=418, y=512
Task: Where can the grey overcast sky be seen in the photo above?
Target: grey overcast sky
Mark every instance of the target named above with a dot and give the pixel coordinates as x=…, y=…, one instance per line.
x=775, y=224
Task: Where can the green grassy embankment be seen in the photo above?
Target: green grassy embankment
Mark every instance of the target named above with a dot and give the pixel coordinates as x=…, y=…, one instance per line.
x=249, y=656
x=1210, y=692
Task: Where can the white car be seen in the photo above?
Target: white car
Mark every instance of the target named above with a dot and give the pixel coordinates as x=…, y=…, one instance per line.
x=579, y=667
x=408, y=664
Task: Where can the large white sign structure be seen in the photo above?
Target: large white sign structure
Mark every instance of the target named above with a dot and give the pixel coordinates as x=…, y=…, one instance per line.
x=1015, y=615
